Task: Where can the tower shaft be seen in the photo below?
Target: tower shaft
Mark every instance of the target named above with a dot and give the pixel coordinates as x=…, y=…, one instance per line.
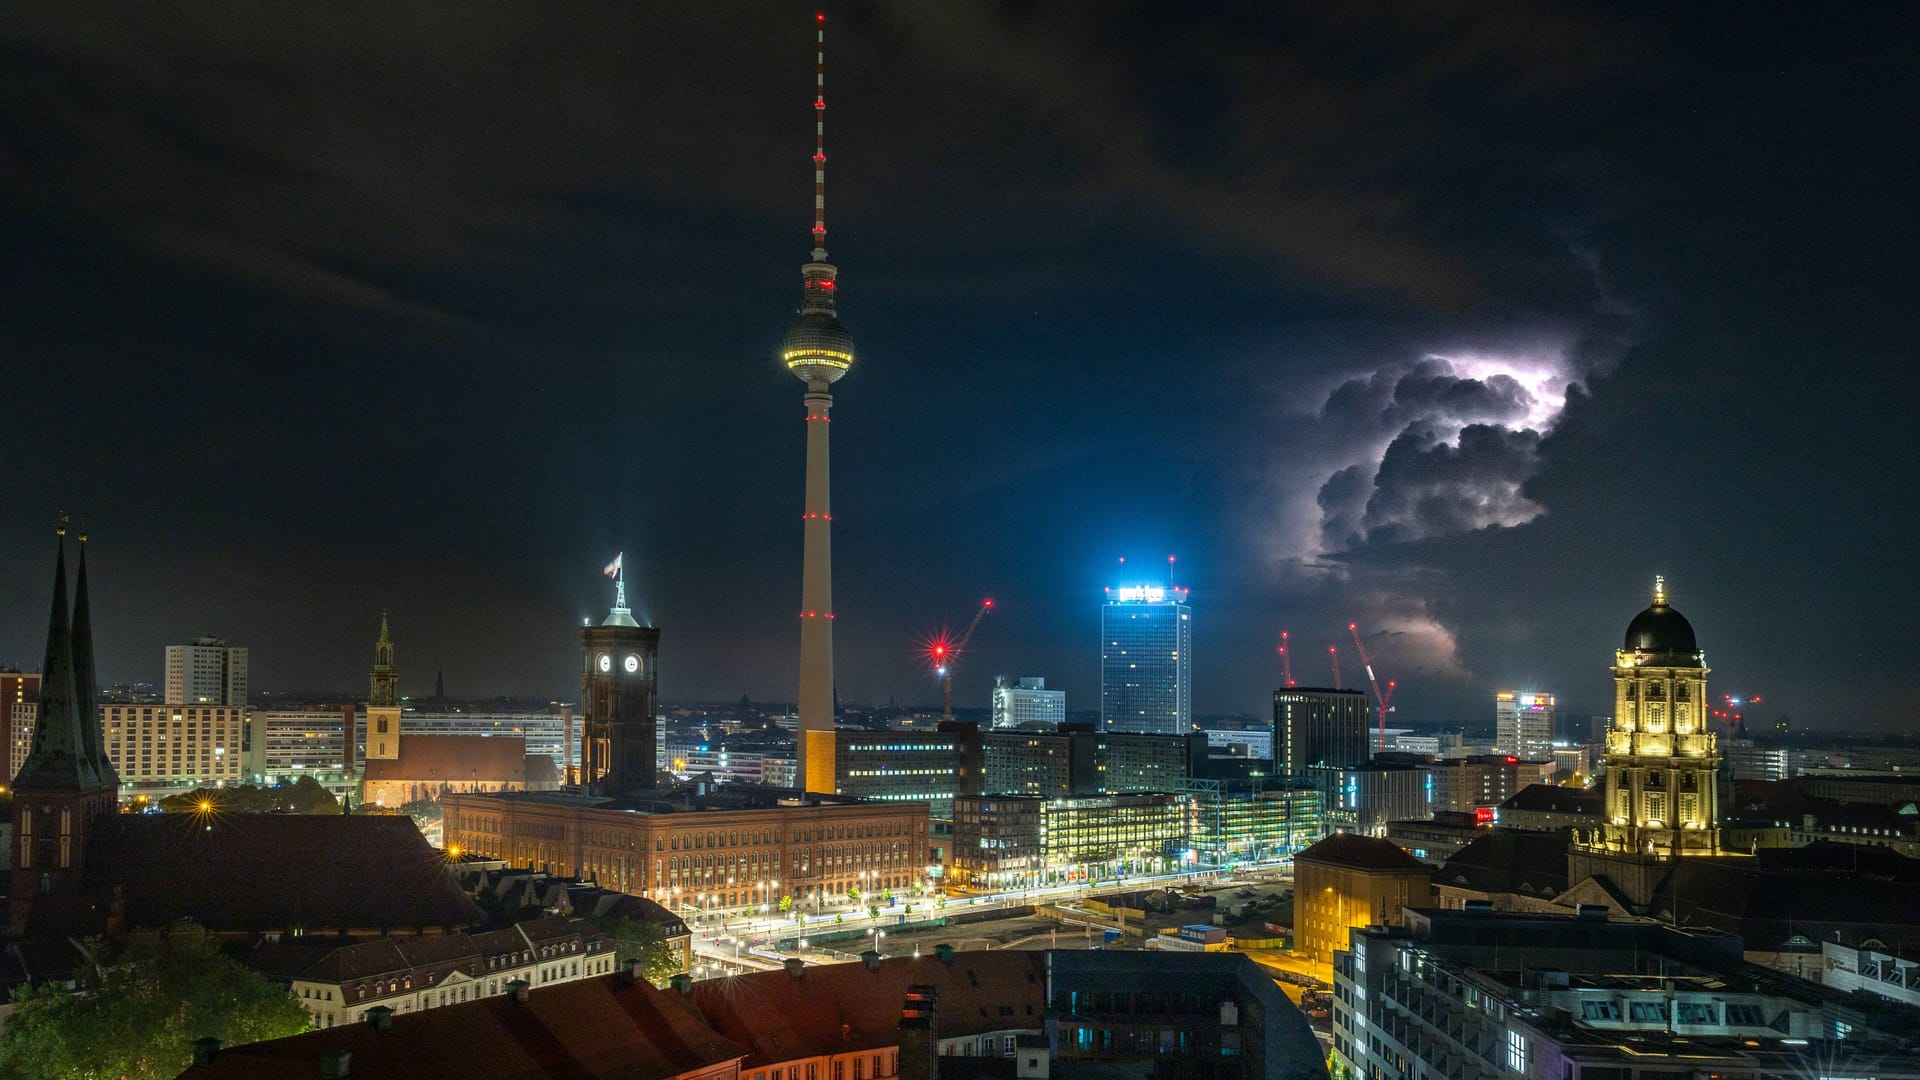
x=815, y=735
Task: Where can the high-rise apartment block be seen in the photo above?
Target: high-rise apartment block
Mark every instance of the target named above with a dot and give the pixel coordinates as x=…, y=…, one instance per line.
x=158, y=747
x=1523, y=724
x=1146, y=660
x=206, y=671
x=1027, y=702
x=1318, y=727
x=19, y=705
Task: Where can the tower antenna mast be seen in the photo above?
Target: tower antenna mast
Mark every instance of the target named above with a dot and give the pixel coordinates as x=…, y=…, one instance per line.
x=820, y=138
x=1286, y=660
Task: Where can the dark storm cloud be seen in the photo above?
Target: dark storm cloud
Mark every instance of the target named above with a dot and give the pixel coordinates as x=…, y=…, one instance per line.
x=1428, y=487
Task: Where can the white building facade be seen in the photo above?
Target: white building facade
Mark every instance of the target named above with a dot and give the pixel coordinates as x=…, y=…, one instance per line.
x=206, y=671
x=1027, y=701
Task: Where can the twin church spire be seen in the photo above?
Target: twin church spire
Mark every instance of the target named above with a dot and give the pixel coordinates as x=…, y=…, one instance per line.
x=69, y=752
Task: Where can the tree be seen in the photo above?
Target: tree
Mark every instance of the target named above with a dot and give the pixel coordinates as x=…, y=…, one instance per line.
x=873, y=911
x=636, y=939
x=136, y=1012
x=886, y=897
x=853, y=893
x=786, y=904
x=306, y=796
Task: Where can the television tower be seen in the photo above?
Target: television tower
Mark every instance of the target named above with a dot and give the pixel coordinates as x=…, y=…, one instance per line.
x=818, y=350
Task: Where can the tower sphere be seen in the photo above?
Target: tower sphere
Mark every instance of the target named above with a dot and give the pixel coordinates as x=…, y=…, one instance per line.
x=817, y=348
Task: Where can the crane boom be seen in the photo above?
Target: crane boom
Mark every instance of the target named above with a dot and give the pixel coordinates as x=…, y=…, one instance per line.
x=1383, y=700
x=945, y=654
x=1333, y=653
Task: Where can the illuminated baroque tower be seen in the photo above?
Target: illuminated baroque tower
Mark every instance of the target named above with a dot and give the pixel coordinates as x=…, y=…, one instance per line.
x=818, y=350
x=1663, y=759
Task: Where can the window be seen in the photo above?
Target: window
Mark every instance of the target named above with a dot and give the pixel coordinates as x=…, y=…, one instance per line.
x=1519, y=1051
x=1646, y=1012
x=1696, y=1012
x=1600, y=1010
x=1745, y=1016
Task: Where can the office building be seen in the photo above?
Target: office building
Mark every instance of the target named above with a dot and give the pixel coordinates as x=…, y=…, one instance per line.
x=1318, y=727
x=1364, y=798
x=1434, y=840
x=1523, y=724
x=551, y=734
x=1250, y=820
x=1022, y=841
x=1483, y=781
x=909, y=766
x=1027, y=701
x=19, y=705
x=207, y=671
x=1141, y=762
x=1050, y=763
x=1478, y=995
x=1252, y=745
x=1146, y=660
x=1349, y=880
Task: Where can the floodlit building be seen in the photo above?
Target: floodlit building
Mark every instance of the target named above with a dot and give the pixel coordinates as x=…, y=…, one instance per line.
x=1349, y=880
x=206, y=671
x=19, y=704
x=1523, y=724
x=1146, y=660
x=1027, y=701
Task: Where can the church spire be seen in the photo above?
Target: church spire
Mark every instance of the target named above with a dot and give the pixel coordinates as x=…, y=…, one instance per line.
x=385, y=679
x=86, y=684
x=58, y=760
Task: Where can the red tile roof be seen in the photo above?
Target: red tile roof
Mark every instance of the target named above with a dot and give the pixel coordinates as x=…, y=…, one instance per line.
x=454, y=759
x=832, y=1008
x=605, y=1027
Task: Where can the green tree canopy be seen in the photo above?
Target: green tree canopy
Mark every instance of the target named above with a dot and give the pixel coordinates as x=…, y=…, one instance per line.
x=303, y=796
x=137, y=1011
x=636, y=939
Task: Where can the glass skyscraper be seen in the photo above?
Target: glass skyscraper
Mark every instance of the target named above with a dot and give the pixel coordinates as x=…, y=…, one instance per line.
x=1146, y=660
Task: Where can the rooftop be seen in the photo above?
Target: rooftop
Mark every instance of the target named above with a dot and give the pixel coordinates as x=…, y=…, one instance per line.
x=1360, y=853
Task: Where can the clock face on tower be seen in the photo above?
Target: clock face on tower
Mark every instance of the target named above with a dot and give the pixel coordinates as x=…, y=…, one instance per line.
x=605, y=662
x=632, y=664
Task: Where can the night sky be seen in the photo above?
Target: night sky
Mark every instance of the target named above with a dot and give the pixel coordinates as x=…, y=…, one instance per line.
x=1457, y=321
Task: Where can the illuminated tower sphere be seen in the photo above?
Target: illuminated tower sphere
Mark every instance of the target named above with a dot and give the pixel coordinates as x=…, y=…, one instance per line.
x=1663, y=759
x=818, y=350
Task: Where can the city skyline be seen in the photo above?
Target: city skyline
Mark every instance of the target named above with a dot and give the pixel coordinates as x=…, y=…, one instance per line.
x=1121, y=299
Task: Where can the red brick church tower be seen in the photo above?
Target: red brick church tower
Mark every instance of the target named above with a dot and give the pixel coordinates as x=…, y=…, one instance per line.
x=67, y=781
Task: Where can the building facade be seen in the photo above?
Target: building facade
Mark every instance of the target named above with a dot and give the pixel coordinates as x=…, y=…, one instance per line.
x=1143, y=762
x=1021, y=841
x=409, y=975
x=731, y=846
x=206, y=671
x=619, y=690
x=1364, y=798
x=1348, y=880
x=1595, y=1000
x=1318, y=727
x=19, y=705
x=1053, y=764
x=1146, y=660
x=909, y=766
x=1481, y=781
x=1027, y=701
x=1523, y=724
x=286, y=744
x=160, y=747
x=1249, y=821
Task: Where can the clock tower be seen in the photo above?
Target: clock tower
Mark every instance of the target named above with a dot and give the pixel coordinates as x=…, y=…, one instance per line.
x=383, y=701
x=618, y=692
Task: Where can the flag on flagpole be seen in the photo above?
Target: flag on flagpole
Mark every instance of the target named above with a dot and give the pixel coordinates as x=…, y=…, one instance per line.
x=613, y=568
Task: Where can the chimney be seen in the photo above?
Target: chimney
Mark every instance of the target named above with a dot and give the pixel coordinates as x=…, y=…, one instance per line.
x=794, y=964
x=519, y=988
x=871, y=959
x=944, y=951
x=334, y=1063
x=205, y=1050
x=637, y=969
x=919, y=1052
x=381, y=1017
x=683, y=983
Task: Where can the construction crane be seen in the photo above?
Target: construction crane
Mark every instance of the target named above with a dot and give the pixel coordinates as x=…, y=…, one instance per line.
x=1286, y=660
x=1384, y=700
x=1333, y=654
x=943, y=653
